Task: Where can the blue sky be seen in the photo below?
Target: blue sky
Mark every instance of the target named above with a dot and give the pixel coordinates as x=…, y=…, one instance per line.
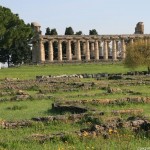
x=106, y=16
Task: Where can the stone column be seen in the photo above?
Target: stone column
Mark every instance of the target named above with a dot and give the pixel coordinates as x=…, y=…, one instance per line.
x=78, y=50
x=59, y=50
x=131, y=41
x=87, y=57
x=105, y=48
x=96, y=50
x=37, y=52
x=84, y=48
x=114, y=50
x=100, y=49
x=123, y=49
x=92, y=49
x=41, y=52
x=34, y=53
x=75, y=51
x=109, y=49
x=50, y=51
x=69, y=56
x=117, y=48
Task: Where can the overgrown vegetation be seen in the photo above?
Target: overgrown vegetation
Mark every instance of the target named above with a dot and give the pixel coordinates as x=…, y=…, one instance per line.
x=138, y=54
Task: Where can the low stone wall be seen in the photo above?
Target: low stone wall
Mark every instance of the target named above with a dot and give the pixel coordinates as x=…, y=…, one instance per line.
x=110, y=127
x=113, y=76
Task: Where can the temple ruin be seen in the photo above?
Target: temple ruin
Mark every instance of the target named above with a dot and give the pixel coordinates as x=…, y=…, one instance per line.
x=86, y=47
x=139, y=29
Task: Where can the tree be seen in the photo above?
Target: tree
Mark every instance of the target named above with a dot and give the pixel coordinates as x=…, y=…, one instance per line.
x=54, y=32
x=69, y=31
x=48, y=31
x=51, y=32
x=79, y=33
x=21, y=52
x=14, y=38
x=93, y=32
x=138, y=54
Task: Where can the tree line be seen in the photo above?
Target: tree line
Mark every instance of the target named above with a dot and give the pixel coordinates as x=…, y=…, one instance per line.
x=69, y=31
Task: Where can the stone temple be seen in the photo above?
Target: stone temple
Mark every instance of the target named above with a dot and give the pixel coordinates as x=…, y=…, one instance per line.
x=86, y=47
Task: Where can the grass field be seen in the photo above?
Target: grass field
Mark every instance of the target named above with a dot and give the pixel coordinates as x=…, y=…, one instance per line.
x=29, y=72
x=45, y=92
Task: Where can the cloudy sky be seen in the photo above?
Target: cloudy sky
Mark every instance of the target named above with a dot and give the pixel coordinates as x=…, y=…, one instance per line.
x=106, y=16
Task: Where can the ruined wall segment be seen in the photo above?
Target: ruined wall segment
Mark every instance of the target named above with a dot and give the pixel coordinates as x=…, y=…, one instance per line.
x=139, y=29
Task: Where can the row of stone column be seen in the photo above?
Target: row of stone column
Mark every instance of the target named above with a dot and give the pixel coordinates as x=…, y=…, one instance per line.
x=96, y=50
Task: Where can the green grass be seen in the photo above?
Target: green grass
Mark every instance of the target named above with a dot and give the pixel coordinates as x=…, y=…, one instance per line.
x=29, y=72
x=36, y=108
x=20, y=138
x=125, y=142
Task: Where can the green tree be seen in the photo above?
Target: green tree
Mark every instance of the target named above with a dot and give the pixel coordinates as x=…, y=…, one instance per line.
x=69, y=31
x=14, y=38
x=138, y=54
x=51, y=32
x=54, y=32
x=93, y=32
x=79, y=33
x=48, y=31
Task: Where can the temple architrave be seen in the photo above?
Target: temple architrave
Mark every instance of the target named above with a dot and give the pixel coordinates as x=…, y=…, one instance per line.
x=86, y=47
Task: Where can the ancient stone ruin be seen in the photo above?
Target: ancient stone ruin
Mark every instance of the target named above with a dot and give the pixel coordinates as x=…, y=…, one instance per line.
x=87, y=47
x=139, y=29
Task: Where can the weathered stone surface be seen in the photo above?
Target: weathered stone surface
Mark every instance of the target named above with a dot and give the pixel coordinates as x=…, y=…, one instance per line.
x=61, y=118
x=121, y=101
x=43, y=119
x=139, y=29
x=17, y=124
x=115, y=77
x=138, y=125
x=70, y=108
x=5, y=93
x=42, y=137
x=20, y=97
x=11, y=79
x=111, y=126
x=64, y=118
x=128, y=111
x=114, y=90
x=76, y=117
x=21, y=92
